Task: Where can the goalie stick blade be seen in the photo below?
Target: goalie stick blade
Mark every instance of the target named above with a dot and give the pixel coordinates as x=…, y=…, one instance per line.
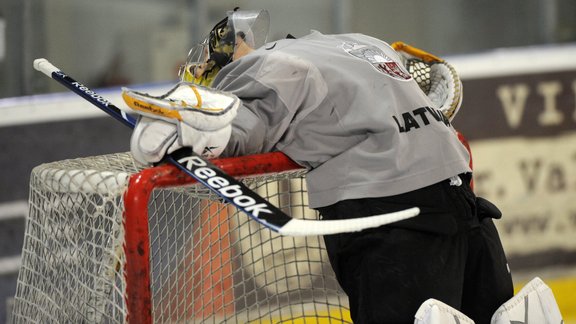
x=304, y=227
x=259, y=209
x=227, y=187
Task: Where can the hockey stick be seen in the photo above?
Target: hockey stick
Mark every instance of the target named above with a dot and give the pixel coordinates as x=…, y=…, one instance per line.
x=228, y=188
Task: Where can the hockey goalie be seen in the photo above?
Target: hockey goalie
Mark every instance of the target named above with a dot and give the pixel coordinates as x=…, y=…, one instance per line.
x=372, y=123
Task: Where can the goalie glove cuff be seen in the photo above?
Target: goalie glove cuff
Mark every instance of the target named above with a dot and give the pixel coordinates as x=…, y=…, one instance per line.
x=208, y=144
x=151, y=139
x=154, y=138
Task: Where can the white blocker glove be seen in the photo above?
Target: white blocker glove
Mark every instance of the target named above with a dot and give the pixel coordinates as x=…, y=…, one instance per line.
x=187, y=116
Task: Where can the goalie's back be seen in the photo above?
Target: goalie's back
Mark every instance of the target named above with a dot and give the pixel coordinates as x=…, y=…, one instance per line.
x=337, y=103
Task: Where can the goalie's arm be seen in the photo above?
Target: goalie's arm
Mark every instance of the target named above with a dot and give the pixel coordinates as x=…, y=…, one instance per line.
x=273, y=107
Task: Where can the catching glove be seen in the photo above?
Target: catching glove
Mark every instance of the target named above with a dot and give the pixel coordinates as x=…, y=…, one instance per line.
x=438, y=79
x=187, y=116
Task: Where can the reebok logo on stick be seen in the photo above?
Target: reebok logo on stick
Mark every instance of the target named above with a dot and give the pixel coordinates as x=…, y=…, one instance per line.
x=218, y=182
x=91, y=93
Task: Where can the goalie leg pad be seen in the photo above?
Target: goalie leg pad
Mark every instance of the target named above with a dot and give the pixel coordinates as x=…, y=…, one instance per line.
x=433, y=311
x=534, y=304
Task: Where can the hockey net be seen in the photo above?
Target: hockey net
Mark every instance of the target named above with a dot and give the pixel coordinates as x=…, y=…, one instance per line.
x=108, y=242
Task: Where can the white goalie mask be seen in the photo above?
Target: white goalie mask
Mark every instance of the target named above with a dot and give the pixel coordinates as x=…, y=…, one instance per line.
x=241, y=32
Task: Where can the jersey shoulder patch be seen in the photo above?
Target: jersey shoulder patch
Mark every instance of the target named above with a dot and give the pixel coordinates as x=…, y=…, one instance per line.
x=378, y=59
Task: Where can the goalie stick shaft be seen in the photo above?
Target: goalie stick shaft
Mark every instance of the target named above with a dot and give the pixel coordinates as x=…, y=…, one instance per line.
x=225, y=186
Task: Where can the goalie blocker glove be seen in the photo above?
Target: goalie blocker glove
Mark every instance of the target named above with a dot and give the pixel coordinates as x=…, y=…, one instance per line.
x=187, y=116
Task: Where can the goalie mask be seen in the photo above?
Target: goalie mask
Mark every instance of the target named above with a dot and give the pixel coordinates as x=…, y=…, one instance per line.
x=241, y=32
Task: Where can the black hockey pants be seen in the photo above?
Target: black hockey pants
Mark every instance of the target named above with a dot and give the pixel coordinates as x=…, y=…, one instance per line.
x=450, y=252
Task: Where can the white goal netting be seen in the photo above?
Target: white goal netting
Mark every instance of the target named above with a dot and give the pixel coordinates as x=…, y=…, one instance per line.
x=208, y=263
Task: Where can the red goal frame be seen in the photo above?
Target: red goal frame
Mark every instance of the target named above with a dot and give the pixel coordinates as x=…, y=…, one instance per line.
x=137, y=239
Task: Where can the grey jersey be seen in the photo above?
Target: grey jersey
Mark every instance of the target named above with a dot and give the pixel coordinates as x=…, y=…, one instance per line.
x=345, y=108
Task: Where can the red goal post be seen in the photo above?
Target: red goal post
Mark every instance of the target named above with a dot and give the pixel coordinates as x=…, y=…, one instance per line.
x=109, y=242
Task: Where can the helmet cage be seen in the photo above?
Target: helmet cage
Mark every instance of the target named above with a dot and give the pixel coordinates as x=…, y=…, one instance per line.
x=217, y=50
x=221, y=42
